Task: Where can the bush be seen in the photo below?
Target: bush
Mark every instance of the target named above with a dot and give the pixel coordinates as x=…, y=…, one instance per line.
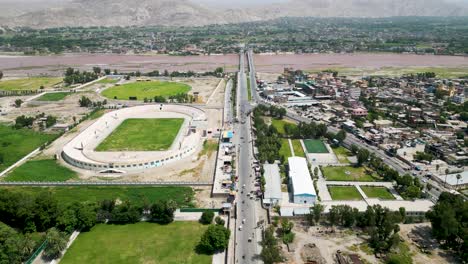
x=207, y=217
x=219, y=221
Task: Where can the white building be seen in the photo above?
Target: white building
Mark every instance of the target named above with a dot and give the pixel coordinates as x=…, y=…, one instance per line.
x=272, y=177
x=300, y=181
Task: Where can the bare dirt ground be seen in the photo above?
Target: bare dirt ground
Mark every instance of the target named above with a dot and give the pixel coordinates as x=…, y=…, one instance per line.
x=327, y=244
x=64, y=110
x=418, y=236
x=268, y=77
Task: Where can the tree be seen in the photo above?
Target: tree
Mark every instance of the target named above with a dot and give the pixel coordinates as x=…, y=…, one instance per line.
x=18, y=102
x=340, y=136
x=85, y=101
x=1, y=75
x=362, y=156
x=458, y=178
x=354, y=149
x=2, y=159
x=317, y=211
x=270, y=252
x=107, y=71
x=446, y=174
x=126, y=213
x=163, y=211
x=207, y=217
x=215, y=239
x=50, y=121
x=97, y=70
x=56, y=243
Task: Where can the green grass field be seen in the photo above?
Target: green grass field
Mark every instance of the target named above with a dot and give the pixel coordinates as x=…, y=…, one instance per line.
x=138, y=243
x=145, y=89
x=29, y=83
x=53, y=96
x=377, y=192
x=140, y=134
x=183, y=196
x=41, y=170
x=17, y=143
x=355, y=174
x=342, y=154
x=108, y=81
x=249, y=91
x=279, y=124
x=344, y=193
x=285, y=150
x=298, y=150
x=315, y=146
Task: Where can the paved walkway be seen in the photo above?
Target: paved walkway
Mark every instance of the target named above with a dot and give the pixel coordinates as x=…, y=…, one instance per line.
x=291, y=147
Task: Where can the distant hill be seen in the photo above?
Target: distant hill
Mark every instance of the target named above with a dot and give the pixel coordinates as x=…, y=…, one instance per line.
x=189, y=13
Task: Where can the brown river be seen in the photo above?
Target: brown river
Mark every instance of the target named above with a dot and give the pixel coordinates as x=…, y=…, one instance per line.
x=55, y=64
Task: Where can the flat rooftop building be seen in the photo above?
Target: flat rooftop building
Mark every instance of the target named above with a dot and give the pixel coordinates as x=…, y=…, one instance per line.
x=272, y=177
x=300, y=181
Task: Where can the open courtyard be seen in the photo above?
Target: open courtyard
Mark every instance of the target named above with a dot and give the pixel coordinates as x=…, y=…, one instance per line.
x=139, y=243
x=142, y=134
x=142, y=90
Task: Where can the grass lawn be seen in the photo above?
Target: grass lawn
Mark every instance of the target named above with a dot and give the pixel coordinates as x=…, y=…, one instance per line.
x=108, y=81
x=377, y=192
x=285, y=150
x=138, y=243
x=145, y=89
x=183, y=196
x=355, y=174
x=342, y=154
x=344, y=193
x=315, y=146
x=53, y=96
x=29, y=83
x=279, y=124
x=142, y=134
x=41, y=170
x=298, y=151
x=17, y=143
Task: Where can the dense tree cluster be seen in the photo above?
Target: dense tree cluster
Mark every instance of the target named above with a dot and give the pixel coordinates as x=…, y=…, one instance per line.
x=215, y=239
x=271, y=252
x=207, y=217
x=449, y=221
x=86, y=102
x=423, y=156
x=23, y=121
x=73, y=76
x=24, y=213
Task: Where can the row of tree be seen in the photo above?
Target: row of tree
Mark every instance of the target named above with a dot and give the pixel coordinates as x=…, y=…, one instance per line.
x=86, y=102
x=73, y=76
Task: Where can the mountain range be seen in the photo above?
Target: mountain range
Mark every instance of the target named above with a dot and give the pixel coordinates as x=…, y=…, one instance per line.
x=88, y=13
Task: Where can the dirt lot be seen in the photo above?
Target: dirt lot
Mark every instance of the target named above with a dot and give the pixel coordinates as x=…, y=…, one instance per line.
x=326, y=245
x=64, y=110
x=418, y=236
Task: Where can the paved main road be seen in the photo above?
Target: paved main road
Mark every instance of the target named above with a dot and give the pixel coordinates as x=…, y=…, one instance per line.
x=248, y=235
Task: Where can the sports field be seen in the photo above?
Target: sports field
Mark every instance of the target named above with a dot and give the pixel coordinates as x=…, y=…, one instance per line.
x=145, y=89
x=17, y=143
x=377, y=192
x=138, y=243
x=348, y=173
x=53, y=96
x=344, y=193
x=183, y=196
x=41, y=170
x=142, y=134
x=29, y=83
x=315, y=146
